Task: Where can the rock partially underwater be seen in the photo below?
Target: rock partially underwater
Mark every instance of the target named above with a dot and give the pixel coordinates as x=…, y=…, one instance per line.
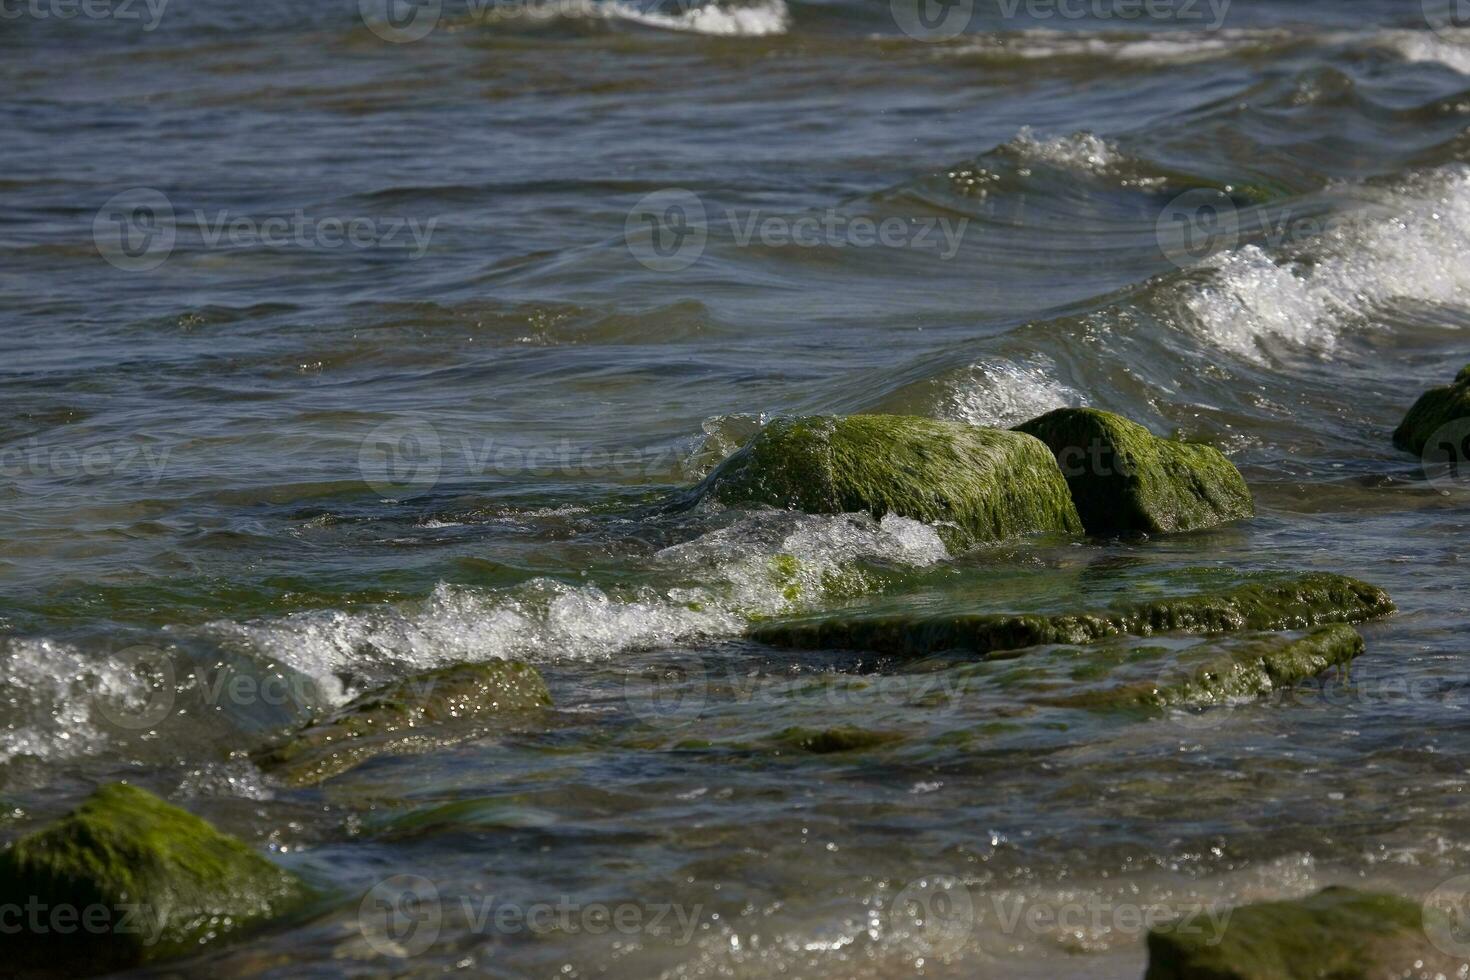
x=1435, y=409
x=139, y=880
x=414, y=714
x=1339, y=933
x=1214, y=670
x=1124, y=478
x=974, y=484
x=1298, y=603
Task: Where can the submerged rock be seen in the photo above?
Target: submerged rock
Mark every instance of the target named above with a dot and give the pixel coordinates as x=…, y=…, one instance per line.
x=1298, y=603
x=1229, y=668
x=138, y=880
x=413, y=714
x=1434, y=409
x=1340, y=933
x=1124, y=478
x=974, y=484
x=825, y=741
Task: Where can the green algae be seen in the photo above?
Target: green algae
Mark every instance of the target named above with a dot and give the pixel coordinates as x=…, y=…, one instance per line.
x=1124, y=478
x=1299, y=603
x=1436, y=408
x=144, y=881
x=826, y=741
x=414, y=714
x=1338, y=933
x=973, y=484
x=1225, y=669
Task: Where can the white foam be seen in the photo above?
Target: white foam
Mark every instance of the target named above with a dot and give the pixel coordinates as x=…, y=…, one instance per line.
x=1079, y=151
x=1253, y=296
x=1176, y=47
x=51, y=692
x=1004, y=393
x=758, y=19
x=765, y=562
x=1450, y=47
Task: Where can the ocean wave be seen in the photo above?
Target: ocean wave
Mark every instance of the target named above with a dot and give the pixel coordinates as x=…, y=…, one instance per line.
x=763, y=18
x=1078, y=151
x=1004, y=393
x=1180, y=47
x=54, y=695
x=1407, y=245
x=763, y=563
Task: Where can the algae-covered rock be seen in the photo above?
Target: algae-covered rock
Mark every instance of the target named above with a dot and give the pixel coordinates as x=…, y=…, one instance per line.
x=1298, y=603
x=1434, y=409
x=974, y=484
x=413, y=714
x=826, y=741
x=1225, y=669
x=127, y=879
x=1339, y=933
x=1124, y=478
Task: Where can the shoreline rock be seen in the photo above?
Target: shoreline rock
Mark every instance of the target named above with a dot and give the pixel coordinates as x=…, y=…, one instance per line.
x=146, y=881
x=1435, y=408
x=1305, y=601
x=1124, y=478
x=413, y=714
x=1341, y=933
x=973, y=484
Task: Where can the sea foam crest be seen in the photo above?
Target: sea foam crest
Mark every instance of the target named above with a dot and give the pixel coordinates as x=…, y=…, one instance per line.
x=765, y=562
x=1003, y=393
x=760, y=19
x=1409, y=247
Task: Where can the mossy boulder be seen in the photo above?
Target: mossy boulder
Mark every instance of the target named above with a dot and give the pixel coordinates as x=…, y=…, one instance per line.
x=414, y=714
x=1341, y=933
x=973, y=484
x=1124, y=478
x=1434, y=409
x=1297, y=603
x=127, y=879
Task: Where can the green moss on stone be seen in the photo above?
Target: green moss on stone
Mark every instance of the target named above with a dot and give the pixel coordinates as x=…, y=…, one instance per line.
x=1435, y=408
x=143, y=880
x=974, y=484
x=1299, y=603
x=418, y=712
x=1228, y=669
x=829, y=740
x=1124, y=478
x=1338, y=933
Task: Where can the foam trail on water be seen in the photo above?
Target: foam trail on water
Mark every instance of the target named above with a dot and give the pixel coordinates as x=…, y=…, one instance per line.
x=765, y=562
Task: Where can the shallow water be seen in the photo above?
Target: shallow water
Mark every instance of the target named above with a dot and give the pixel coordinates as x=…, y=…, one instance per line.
x=299, y=463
